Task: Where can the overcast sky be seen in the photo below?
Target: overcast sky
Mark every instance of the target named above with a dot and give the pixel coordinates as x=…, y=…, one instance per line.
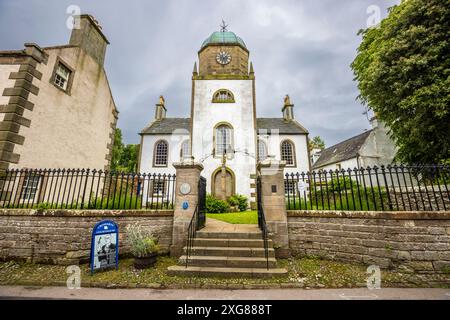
x=300, y=48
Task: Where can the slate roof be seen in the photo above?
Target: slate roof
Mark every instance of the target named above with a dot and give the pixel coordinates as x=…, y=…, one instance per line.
x=342, y=151
x=169, y=125
x=284, y=127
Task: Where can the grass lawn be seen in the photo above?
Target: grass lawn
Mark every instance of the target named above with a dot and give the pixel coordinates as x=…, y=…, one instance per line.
x=246, y=217
x=307, y=272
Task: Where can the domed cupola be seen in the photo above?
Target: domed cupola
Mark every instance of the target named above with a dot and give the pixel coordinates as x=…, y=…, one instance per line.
x=223, y=55
x=223, y=38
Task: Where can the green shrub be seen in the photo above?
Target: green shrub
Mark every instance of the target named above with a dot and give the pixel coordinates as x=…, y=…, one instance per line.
x=239, y=201
x=142, y=241
x=214, y=205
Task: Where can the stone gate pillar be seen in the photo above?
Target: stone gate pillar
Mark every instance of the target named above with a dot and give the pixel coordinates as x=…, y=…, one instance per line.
x=274, y=203
x=186, y=191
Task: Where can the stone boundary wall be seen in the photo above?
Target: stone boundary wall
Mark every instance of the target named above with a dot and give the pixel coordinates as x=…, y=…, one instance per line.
x=64, y=236
x=416, y=241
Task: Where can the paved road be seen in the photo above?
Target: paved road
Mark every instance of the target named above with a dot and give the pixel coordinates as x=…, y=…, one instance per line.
x=20, y=292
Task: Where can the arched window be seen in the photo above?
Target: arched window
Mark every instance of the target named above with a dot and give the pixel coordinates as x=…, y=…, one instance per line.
x=185, y=150
x=223, y=96
x=288, y=153
x=262, y=150
x=223, y=139
x=160, y=154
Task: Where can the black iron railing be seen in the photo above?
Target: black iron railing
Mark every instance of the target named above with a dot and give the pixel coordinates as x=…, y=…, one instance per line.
x=198, y=218
x=192, y=231
x=262, y=220
x=394, y=188
x=85, y=189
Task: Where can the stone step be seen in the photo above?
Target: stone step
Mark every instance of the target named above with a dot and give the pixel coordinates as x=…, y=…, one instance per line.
x=230, y=251
x=226, y=272
x=230, y=235
x=223, y=242
x=230, y=262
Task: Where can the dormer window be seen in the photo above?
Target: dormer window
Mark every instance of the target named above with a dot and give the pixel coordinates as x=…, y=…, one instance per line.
x=62, y=76
x=223, y=96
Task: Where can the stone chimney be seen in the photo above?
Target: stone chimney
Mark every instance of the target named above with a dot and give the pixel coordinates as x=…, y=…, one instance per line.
x=90, y=38
x=160, y=112
x=288, y=109
x=374, y=121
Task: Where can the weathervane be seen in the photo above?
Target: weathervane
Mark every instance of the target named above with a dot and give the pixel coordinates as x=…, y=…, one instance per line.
x=223, y=26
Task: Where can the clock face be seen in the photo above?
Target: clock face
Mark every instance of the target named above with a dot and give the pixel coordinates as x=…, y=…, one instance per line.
x=223, y=57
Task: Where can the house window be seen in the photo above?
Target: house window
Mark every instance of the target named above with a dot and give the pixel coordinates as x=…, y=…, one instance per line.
x=62, y=76
x=160, y=154
x=30, y=186
x=223, y=96
x=289, y=187
x=287, y=153
x=185, y=150
x=338, y=166
x=158, y=188
x=262, y=150
x=224, y=138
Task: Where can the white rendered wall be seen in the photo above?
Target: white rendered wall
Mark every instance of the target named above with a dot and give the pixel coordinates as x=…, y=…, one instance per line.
x=273, y=143
x=148, y=145
x=239, y=115
x=346, y=164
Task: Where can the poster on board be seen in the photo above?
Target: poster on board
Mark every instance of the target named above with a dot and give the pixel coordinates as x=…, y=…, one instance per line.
x=105, y=246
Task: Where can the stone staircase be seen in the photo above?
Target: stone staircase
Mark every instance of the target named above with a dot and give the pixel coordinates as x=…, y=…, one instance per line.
x=228, y=253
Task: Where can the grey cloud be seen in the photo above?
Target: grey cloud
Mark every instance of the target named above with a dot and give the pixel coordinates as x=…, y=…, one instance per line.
x=303, y=48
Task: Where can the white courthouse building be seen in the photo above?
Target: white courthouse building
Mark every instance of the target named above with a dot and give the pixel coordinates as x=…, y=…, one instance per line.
x=223, y=131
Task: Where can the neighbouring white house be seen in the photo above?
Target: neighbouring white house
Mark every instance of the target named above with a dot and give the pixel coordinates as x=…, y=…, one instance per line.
x=370, y=148
x=223, y=131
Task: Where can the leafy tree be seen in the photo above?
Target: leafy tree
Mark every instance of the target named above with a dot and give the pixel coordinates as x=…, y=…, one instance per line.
x=129, y=158
x=403, y=73
x=316, y=142
x=124, y=157
x=117, y=149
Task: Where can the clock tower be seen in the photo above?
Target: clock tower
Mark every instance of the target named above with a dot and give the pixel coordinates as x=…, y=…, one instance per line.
x=223, y=114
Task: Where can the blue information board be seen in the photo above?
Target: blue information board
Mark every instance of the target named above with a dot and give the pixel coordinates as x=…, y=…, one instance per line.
x=105, y=246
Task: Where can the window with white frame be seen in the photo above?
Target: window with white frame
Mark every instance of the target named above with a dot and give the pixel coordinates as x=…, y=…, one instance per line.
x=62, y=76
x=290, y=187
x=185, y=149
x=158, y=187
x=30, y=186
x=161, y=154
x=224, y=139
x=262, y=150
x=287, y=153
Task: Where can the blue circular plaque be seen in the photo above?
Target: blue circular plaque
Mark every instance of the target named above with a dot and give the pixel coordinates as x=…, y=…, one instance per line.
x=185, y=205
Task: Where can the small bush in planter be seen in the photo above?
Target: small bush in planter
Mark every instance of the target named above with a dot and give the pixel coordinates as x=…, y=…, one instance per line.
x=239, y=201
x=144, y=246
x=214, y=205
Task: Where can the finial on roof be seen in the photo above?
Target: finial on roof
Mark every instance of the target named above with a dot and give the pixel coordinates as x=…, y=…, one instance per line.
x=223, y=26
x=194, y=72
x=161, y=101
x=287, y=100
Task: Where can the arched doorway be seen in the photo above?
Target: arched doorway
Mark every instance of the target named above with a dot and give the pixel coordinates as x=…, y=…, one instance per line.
x=223, y=183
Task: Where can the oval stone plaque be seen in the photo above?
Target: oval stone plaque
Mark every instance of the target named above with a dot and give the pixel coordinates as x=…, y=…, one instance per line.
x=185, y=188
